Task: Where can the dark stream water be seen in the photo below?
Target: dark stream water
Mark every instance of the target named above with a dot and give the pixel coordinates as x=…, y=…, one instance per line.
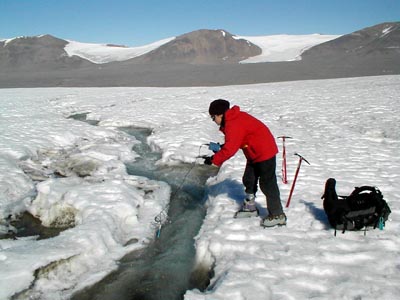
x=164, y=270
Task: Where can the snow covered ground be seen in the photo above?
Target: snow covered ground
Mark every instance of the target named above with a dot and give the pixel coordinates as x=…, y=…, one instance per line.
x=346, y=128
x=274, y=48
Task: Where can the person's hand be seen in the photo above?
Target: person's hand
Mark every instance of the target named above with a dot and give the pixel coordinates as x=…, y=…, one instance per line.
x=214, y=147
x=208, y=160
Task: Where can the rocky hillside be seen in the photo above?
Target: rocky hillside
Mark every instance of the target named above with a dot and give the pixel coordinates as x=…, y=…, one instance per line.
x=202, y=47
x=44, y=52
x=380, y=42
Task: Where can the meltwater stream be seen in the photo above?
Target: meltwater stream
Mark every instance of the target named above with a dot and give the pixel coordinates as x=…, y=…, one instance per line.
x=163, y=270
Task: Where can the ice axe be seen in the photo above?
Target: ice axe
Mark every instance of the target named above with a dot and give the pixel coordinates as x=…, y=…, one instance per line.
x=301, y=158
x=284, y=171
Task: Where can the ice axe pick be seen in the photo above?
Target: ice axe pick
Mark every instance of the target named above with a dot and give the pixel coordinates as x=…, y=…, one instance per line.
x=301, y=158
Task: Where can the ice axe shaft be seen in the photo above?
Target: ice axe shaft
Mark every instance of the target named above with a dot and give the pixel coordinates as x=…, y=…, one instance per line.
x=284, y=169
x=301, y=158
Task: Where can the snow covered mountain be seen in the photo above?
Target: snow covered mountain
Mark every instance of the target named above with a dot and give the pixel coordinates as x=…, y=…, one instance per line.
x=198, y=47
x=273, y=48
x=199, y=58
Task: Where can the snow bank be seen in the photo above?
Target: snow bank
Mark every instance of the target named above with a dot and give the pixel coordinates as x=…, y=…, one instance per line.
x=108, y=212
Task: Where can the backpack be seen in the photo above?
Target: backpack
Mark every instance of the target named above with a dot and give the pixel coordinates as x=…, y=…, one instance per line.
x=364, y=207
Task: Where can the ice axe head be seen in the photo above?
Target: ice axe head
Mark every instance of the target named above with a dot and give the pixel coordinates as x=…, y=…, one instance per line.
x=302, y=158
x=283, y=137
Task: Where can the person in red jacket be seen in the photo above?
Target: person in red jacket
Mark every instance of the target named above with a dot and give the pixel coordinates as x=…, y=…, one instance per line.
x=243, y=131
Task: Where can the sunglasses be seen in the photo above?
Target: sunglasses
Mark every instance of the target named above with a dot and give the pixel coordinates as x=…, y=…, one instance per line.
x=213, y=117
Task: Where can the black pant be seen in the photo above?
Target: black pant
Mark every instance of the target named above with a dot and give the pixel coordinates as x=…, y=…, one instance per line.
x=264, y=174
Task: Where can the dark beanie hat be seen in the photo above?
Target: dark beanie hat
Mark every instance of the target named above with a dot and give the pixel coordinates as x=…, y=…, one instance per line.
x=218, y=107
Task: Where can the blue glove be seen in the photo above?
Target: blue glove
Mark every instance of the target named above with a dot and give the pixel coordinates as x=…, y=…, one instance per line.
x=214, y=147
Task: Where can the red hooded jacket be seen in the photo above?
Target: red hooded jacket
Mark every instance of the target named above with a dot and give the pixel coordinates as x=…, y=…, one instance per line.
x=243, y=131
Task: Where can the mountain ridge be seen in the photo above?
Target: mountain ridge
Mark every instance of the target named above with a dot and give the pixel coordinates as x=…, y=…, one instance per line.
x=188, y=61
x=202, y=46
x=273, y=47
x=384, y=37
x=44, y=51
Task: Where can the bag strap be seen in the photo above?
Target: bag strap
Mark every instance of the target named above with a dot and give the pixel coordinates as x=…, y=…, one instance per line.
x=359, y=190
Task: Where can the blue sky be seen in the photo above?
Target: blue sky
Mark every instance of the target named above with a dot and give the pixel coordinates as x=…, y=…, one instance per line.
x=140, y=22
